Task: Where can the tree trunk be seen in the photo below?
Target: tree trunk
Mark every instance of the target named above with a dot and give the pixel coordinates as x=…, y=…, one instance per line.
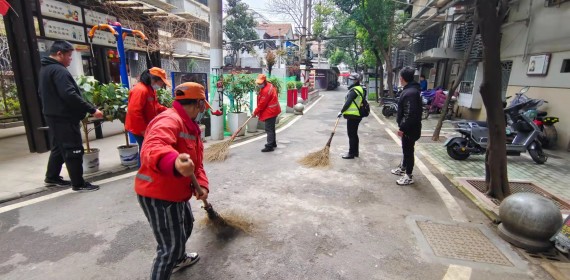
x=496, y=157
x=390, y=78
x=463, y=67
x=382, y=79
x=378, y=60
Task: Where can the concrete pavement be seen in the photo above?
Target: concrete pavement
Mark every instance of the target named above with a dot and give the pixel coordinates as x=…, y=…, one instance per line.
x=350, y=221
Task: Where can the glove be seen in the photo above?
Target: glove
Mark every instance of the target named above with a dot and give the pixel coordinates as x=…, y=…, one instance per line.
x=339, y=115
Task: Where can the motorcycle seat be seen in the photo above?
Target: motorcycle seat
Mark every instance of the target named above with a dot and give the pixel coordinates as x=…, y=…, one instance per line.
x=541, y=113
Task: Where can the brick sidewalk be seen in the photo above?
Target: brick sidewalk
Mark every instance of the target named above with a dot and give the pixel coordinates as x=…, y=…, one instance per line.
x=553, y=176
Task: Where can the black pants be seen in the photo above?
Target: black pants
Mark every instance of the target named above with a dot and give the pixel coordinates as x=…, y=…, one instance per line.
x=140, y=140
x=171, y=224
x=408, y=144
x=270, y=130
x=66, y=147
x=352, y=130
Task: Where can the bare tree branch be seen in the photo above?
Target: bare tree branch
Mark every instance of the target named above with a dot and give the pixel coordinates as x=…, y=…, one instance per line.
x=292, y=8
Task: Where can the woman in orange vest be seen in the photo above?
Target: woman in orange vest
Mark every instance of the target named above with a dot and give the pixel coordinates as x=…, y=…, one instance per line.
x=267, y=110
x=171, y=153
x=143, y=104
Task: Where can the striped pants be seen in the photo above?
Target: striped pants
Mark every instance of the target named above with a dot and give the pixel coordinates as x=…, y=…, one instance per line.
x=171, y=223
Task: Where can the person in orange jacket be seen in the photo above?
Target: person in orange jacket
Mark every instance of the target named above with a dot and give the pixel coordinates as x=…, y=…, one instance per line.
x=267, y=110
x=171, y=153
x=143, y=104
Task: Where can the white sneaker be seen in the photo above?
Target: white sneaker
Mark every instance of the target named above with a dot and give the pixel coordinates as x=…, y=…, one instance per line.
x=188, y=260
x=405, y=180
x=398, y=171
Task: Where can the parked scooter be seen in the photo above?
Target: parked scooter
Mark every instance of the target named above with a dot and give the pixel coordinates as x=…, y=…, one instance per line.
x=390, y=106
x=436, y=106
x=475, y=134
x=548, y=136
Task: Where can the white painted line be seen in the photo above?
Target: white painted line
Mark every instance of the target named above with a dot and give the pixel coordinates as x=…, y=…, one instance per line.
x=457, y=272
x=453, y=208
x=61, y=193
x=263, y=136
x=376, y=117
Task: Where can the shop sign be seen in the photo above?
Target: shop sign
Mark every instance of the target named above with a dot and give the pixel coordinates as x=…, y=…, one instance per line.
x=134, y=44
x=59, y=30
x=60, y=10
x=94, y=18
x=104, y=38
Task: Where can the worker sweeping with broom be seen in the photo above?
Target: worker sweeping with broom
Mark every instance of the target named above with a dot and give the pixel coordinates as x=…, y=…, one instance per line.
x=267, y=110
x=172, y=156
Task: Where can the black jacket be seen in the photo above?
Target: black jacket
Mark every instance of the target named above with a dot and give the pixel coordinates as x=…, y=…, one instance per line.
x=60, y=94
x=351, y=97
x=410, y=111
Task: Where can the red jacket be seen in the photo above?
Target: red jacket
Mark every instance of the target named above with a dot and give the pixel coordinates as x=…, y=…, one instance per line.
x=167, y=136
x=142, y=108
x=267, y=103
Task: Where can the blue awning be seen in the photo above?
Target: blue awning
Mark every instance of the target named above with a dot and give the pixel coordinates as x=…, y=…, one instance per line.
x=289, y=44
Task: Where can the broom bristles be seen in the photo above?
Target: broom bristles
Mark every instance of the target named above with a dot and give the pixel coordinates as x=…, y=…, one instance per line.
x=317, y=159
x=229, y=221
x=218, y=151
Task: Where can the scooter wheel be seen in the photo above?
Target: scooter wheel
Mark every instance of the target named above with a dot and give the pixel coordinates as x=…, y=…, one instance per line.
x=386, y=111
x=537, y=154
x=425, y=113
x=455, y=153
x=550, y=136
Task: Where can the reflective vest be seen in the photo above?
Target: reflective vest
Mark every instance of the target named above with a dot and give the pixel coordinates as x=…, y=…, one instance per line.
x=353, y=109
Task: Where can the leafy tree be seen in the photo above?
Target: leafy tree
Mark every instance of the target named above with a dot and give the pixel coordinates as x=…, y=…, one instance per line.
x=342, y=25
x=377, y=18
x=240, y=27
x=337, y=56
x=270, y=59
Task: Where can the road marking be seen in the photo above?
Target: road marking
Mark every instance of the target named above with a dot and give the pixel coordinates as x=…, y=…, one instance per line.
x=377, y=118
x=457, y=272
x=263, y=136
x=61, y=193
x=453, y=208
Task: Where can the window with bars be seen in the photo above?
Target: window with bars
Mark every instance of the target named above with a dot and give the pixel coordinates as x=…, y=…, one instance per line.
x=506, y=67
x=201, y=32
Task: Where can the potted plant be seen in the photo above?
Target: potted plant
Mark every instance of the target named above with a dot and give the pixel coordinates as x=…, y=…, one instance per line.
x=237, y=86
x=90, y=89
x=115, y=98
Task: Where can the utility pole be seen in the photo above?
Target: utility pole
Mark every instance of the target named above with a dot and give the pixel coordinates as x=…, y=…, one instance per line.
x=216, y=58
x=303, y=51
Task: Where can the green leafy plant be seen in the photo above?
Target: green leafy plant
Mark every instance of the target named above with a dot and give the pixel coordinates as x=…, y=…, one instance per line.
x=164, y=97
x=236, y=88
x=299, y=85
x=276, y=82
x=291, y=85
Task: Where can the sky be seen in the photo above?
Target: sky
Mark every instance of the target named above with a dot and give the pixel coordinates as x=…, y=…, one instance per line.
x=260, y=6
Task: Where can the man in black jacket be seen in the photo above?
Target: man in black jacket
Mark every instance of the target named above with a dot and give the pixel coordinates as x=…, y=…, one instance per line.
x=64, y=108
x=410, y=124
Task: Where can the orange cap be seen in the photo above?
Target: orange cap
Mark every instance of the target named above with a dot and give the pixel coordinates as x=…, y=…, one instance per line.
x=155, y=71
x=261, y=78
x=191, y=90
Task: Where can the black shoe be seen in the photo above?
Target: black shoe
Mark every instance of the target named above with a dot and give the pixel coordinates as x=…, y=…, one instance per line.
x=274, y=145
x=87, y=187
x=57, y=182
x=188, y=260
x=348, y=156
x=267, y=149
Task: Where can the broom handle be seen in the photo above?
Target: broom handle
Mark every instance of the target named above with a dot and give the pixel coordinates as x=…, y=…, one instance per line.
x=332, y=134
x=240, y=128
x=199, y=190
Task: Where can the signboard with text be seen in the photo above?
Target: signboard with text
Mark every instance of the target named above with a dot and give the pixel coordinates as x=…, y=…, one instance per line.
x=94, y=18
x=104, y=38
x=59, y=10
x=63, y=31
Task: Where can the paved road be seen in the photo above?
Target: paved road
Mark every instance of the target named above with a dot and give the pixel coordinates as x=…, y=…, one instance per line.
x=347, y=222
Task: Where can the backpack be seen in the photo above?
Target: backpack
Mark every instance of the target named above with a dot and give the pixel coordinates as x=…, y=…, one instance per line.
x=364, y=109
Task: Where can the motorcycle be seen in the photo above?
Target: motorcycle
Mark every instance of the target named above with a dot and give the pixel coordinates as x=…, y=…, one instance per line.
x=437, y=104
x=522, y=131
x=549, y=135
x=390, y=105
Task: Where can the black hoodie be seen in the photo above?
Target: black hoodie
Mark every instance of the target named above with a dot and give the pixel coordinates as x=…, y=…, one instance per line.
x=60, y=94
x=410, y=108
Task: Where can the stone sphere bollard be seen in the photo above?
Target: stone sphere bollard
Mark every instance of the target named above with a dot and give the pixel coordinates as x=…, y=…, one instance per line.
x=298, y=109
x=529, y=221
x=300, y=100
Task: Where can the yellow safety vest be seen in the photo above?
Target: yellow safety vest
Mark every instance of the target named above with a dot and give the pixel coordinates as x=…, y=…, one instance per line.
x=352, y=109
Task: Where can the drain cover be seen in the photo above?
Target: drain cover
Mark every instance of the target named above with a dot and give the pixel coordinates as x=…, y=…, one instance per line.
x=463, y=243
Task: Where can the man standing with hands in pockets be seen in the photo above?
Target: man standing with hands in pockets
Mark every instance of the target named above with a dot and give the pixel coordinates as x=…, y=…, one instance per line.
x=410, y=124
x=171, y=154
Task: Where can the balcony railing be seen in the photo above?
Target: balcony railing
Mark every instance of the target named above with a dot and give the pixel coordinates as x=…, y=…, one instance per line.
x=192, y=48
x=190, y=9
